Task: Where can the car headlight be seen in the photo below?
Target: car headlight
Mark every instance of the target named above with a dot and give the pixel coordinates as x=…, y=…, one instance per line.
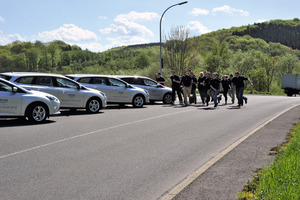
x=52, y=98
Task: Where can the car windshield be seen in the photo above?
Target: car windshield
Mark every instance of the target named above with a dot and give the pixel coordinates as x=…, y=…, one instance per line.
x=61, y=82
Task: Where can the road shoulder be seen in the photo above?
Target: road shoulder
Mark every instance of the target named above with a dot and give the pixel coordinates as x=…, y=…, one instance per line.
x=228, y=176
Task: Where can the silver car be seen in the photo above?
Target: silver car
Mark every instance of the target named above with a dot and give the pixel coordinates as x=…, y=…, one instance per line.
x=70, y=93
x=157, y=91
x=16, y=101
x=116, y=90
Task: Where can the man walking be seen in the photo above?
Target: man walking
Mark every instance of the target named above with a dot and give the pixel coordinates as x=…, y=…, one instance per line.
x=175, y=81
x=238, y=81
x=231, y=89
x=215, y=85
x=186, y=82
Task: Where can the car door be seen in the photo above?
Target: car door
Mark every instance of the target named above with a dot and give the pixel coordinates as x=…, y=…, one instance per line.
x=101, y=84
x=45, y=84
x=119, y=91
x=10, y=101
x=69, y=93
x=151, y=86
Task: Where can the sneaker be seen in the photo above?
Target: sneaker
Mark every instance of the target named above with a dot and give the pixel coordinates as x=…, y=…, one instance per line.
x=216, y=105
x=246, y=100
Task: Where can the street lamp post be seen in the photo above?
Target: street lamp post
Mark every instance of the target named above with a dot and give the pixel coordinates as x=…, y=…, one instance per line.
x=161, y=61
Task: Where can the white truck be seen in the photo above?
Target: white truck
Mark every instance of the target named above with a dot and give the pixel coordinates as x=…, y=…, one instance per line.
x=291, y=84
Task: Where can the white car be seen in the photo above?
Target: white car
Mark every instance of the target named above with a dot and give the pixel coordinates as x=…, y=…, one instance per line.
x=16, y=101
x=116, y=90
x=70, y=93
x=157, y=91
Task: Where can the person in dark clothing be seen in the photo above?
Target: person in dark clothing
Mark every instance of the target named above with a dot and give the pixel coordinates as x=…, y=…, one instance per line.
x=186, y=82
x=226, y=86
x=207, y=87
x=238, y=82
x=176, y=88
x=231, y=89
x=201, y=89
x=193, y=98
x=215, y=85
x=160, y=79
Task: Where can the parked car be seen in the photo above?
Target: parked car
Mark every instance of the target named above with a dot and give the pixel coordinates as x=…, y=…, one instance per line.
x=70, y=93
x=116, y=90
x=16, y=101
x=157, y=91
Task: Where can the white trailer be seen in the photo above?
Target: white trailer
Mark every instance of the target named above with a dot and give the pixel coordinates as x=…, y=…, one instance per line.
x=291, y=84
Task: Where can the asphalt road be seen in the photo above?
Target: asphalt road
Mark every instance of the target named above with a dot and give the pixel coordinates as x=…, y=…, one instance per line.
x=122, y=153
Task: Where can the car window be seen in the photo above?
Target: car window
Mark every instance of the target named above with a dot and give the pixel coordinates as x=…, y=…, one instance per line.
x=99, y=80
x=25, y=80
x=136, y=81
x=84, y=80
x=115, y=82
x=4, y=87
x=44, y=80
x=149, y=83
x=61, y=82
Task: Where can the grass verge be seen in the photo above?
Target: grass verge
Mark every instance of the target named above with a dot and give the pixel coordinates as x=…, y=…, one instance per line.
x=281, y=179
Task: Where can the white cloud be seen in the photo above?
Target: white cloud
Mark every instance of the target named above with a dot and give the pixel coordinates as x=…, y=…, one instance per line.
x=6, y=39
x=2, y=19
x=197, y=26
x=199, y=11
x=68, y=32
x=135, y=16
x=125, y=24
x=261, y=20
x=94, y=47
x=227, y=9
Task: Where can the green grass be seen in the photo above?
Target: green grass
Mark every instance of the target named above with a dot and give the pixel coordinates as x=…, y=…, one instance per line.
x=281, y=180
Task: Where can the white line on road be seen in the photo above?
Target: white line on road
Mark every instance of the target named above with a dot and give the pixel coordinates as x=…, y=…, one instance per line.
x=186, y=182
x=90, y=133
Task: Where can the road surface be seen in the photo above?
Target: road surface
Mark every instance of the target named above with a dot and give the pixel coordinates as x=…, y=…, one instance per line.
x=122, y=153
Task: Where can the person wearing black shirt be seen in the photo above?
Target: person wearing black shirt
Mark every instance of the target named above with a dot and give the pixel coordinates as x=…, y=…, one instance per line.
x=207, y=87
x=238, y=81
x=176, y=88
x=193, y=99
x=186, y=82
x=226, y=86
x=215, y=85
x=160, y=79
x=231, y=89
x=201, y=82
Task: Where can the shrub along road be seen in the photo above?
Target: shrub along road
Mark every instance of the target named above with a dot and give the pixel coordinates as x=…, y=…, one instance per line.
x=125, y=153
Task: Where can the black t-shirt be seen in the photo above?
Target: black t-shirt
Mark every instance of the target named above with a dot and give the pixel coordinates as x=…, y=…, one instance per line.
x=194, y=82
x=215, y=83
x=174, y=84
x=186, y=81
x=160, y=79
x=239, y=82
x=200, y=80
x=207, y=83
x=225, y=84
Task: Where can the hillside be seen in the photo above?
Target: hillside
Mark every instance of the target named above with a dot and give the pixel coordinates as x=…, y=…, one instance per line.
x=263, y=51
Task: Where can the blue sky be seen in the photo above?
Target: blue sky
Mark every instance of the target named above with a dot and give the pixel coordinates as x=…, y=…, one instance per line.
x=99, y=25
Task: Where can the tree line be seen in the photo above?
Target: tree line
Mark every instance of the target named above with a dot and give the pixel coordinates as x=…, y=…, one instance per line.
x=223, y=51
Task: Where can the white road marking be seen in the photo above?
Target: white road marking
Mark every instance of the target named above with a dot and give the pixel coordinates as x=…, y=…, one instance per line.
x=186, y=182
x=90, y=133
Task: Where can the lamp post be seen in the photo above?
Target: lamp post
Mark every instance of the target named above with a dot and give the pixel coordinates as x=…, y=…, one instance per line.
x=161, y=61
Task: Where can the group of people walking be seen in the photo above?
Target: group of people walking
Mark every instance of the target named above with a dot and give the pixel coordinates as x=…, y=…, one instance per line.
x=209, y=86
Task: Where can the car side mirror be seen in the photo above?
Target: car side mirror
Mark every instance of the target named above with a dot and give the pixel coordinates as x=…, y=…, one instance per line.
x=15, y=89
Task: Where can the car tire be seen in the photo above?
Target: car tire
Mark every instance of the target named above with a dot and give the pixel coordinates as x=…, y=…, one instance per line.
x=37, y=112
x=93, y=105
x=138, y=101
x=167, y=98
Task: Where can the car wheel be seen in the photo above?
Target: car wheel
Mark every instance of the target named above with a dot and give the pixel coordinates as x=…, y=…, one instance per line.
x=167, y=98
x=93, y=105
x=37, y=113
x=138, y=101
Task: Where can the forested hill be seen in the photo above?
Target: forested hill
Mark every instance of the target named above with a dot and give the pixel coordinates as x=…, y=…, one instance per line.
x=286, y=32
